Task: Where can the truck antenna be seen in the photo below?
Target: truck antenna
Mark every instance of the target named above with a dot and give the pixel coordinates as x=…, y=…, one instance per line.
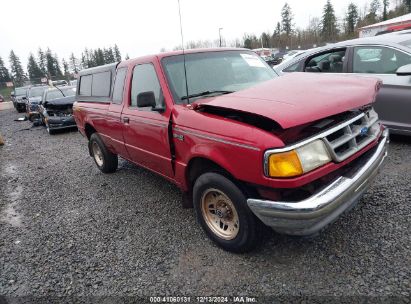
x=182, y=46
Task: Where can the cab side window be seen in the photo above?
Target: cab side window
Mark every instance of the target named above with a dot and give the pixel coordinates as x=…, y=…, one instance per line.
x=378, y=60
x=119, y=86
x=145, y=80
x=328, y=62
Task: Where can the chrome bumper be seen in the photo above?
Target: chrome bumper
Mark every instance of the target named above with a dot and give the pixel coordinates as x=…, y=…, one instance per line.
x=309, y=216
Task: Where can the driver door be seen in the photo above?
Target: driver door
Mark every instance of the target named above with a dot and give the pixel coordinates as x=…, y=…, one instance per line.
x=146, y=129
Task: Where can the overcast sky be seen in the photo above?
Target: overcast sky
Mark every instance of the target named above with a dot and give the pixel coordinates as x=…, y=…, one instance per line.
x=140, y=27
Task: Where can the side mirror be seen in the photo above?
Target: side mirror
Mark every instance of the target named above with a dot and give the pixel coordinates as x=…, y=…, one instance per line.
x=405, y=70
x=146, y=99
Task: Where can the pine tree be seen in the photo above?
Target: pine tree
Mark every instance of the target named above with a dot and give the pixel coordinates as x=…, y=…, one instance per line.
x=42, y=63
x=74, y=64
x=265, y=38
x=375, y=7
x=287, y=20
x=66, y=70
x=407, y=5
x=4, y=72
x=108, y=55
x=277, y=35
x=98, y=57
x=385, y=5
x=51, y=69
x=87, y=59
x=33, y=69
x=17, y=72
x=117, y=54
x=329, y=23
x=351, y=19
x=59, y=74
x=84, y=61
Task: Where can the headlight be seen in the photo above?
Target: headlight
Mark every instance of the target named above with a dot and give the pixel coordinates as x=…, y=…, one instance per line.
x=299, y=161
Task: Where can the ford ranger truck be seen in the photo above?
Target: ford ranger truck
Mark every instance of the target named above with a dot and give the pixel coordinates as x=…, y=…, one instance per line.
x=246, y=147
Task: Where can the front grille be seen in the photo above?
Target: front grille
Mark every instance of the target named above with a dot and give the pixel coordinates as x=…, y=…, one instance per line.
x=345, y=141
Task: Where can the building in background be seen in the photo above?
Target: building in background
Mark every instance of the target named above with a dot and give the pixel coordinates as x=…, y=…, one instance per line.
x=265, y=52
x=387, y=26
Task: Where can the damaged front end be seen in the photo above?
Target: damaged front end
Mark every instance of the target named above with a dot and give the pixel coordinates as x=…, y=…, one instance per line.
x=58, y=114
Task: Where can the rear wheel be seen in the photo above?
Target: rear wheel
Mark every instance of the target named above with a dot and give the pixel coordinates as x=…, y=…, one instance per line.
x=222, y=211
x=106, y=161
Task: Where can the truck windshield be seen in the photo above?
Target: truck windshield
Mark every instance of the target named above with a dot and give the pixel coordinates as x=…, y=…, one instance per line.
x=221, y=71
x=21, y=91
x=63, y=92
x=38, y=91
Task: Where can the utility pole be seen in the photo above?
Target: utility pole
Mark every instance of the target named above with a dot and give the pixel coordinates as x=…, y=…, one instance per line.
x=219, y=33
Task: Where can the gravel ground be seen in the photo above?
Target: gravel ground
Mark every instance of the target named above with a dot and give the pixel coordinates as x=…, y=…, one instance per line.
x=68, y=230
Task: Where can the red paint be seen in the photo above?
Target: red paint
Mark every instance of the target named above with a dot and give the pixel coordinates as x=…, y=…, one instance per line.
x=237, y=147
x=299, y=98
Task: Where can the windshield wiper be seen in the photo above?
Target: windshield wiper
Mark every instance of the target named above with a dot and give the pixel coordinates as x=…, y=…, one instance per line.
x=206, y=93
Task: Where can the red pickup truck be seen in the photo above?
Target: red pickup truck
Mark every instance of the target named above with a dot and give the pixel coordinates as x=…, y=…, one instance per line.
x=246, y=148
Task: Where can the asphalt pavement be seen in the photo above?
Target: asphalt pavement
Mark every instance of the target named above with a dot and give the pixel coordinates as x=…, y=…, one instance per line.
x=68, y=230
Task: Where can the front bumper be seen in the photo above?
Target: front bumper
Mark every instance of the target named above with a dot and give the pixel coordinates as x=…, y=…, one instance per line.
x=57, y=123
x=309, y=216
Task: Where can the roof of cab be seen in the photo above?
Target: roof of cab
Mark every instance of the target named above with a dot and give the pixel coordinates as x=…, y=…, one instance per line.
x=101, y=68
x=179, y=52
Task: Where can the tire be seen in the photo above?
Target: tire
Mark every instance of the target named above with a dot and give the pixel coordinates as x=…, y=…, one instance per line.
x=221, y=208
x=106, y=161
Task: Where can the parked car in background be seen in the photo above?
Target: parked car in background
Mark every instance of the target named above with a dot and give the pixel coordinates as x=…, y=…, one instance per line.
x=19, y=98
x=277, y=58
x=2, y=98
x=379, y=56
x=59, y=82
x=245, y=146
x=56, y=108
x=292, y=54
x=34, y=97
x=268, y=60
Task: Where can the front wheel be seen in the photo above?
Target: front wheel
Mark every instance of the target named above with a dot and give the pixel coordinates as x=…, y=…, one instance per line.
x=106, y=161
x=222, y=211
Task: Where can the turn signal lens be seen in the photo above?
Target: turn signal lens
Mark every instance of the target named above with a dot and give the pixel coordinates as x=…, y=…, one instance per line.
x=284, y=164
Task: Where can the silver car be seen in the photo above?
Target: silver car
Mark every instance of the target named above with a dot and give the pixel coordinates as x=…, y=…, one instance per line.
x=387, y=57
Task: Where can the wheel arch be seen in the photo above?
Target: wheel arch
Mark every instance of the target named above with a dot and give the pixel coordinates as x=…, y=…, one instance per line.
x=89, y=130
x=199, y=165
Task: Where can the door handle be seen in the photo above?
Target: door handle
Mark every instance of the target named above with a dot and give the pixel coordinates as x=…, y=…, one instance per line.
x=126, y=120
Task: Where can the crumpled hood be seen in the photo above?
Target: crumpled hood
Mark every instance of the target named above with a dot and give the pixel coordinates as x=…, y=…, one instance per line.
x=299, y=98
x=63, y=101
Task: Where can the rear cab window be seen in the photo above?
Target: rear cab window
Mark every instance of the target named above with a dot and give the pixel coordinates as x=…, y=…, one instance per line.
x=85, y=85
x=101, y=84
x=96, y=84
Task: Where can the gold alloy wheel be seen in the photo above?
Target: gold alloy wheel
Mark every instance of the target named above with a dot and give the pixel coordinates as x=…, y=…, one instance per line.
x=220, y=214
x=98, y=155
